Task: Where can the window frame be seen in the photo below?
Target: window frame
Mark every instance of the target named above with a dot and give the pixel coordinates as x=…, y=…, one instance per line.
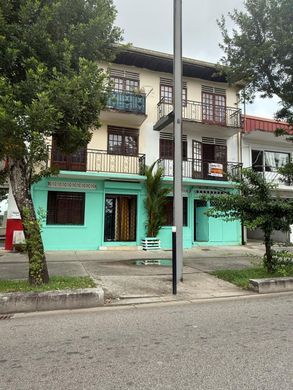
x=211, y=115
x=169, y=211
x=263, y=167
x=169, y=155
x=170, y=99
x=65, y=161
x=53, y=211
x=123, y=132
x=123, y=81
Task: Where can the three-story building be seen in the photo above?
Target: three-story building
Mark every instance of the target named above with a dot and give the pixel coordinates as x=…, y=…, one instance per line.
x=98, y=199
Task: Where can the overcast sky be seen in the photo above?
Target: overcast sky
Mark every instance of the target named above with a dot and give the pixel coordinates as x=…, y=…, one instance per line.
x=149, y=24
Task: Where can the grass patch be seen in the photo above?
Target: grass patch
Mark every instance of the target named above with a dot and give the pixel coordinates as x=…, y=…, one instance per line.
x=241, y=277
x=55, y=283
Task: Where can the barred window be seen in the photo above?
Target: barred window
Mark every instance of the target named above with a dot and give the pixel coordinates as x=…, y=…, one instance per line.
x=65, y=208
x=168, y=212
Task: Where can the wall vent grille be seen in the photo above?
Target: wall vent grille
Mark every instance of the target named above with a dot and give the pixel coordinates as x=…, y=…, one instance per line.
x=214, y=141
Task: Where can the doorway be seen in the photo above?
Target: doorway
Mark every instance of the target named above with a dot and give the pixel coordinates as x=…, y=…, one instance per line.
x=201, y=221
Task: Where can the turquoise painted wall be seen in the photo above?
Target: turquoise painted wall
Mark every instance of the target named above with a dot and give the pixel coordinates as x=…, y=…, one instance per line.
x=72, y=237
x=90, y=236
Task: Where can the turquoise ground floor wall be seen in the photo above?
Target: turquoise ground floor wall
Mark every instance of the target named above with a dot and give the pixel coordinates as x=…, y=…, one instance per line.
x=199, y=230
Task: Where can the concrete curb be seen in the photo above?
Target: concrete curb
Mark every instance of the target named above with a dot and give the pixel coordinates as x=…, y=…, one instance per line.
x=51, y=300
x=271, y=285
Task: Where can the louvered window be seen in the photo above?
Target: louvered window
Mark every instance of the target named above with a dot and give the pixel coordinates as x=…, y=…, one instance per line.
x=166, y=91
x=123, y=141
x=167, y=146
x=65, y=208
x=123, y=81
x=213, y=105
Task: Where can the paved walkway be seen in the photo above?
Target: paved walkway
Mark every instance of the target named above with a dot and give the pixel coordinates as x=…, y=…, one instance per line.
x=124, y=281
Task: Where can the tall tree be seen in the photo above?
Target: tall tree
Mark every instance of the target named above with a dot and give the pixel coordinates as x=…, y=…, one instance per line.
x=50, y=85
x=255, y=203
x=259, y=50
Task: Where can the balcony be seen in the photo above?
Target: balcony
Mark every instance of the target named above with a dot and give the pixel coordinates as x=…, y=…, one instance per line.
x=92, y=160
x=202, y=169
x=271, y=174
x=127, y=108
x=203, y=113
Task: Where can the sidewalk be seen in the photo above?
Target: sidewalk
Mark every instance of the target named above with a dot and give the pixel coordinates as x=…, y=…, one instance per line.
x=125, y=282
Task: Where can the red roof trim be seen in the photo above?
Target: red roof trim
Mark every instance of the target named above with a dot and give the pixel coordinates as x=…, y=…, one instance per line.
x=254, y=123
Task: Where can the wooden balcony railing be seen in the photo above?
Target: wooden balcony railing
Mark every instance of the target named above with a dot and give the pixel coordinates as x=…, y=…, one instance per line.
x=92, y=160
x=204, y=113
x=203, y=169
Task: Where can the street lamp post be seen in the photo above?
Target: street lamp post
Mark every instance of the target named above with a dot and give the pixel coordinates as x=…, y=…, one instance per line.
x=177, y=168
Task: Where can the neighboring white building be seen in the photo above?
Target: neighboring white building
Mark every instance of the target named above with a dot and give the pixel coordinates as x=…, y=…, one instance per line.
x=265, y=153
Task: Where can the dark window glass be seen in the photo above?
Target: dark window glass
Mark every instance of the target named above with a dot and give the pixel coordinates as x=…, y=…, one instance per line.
x=167, y=149
x=122, y=141
x=65, y=208
x=76, y=161
x=120, y=218
x=168, y=211
x=257, y=160
x=213, y=108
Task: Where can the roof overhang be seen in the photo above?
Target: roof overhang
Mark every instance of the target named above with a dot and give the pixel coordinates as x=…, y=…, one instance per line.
x=163, y=62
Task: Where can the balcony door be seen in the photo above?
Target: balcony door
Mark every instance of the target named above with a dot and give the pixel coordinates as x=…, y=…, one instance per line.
x=213, y=105
x=209, y=160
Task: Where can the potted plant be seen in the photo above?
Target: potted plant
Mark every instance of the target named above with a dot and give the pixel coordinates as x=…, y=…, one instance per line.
x=154, y=204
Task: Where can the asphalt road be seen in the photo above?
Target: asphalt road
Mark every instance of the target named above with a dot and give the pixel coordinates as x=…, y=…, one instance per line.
x=220, y=345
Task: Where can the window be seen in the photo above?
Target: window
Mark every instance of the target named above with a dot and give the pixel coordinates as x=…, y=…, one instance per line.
x=123, y=81
x=65, y=208
x=167, y=149
x=76, y=161
x=120, y=218
x=123, y=141
x=167, y=146
x=268, y=161
x=166, y=91
x=169, y=212
x=213, y=105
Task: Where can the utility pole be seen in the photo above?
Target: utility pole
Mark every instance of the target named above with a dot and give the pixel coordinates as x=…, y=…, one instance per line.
x=177, y=167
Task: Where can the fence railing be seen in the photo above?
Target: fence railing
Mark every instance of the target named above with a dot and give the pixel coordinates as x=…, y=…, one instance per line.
x=203, y=169
x=93, y=160
x=127, y=101
x=272, y=174
x=204, y=113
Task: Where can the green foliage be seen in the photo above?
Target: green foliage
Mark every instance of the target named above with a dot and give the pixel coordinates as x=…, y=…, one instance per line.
x=259, y=52
x=241, y=277
x=282, y=262
x=155, y=200
x=50, y=83
x=254, y=203
x=55, y=283
x=287, y=173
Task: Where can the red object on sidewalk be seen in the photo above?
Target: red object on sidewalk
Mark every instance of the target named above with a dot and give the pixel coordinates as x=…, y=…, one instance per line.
x=11, y=226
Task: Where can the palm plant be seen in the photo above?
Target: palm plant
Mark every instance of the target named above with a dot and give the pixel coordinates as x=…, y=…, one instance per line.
x=155, y=200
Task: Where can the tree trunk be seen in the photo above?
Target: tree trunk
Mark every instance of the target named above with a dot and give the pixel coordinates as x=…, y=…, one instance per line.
x=38, y=271
x=269, y=253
